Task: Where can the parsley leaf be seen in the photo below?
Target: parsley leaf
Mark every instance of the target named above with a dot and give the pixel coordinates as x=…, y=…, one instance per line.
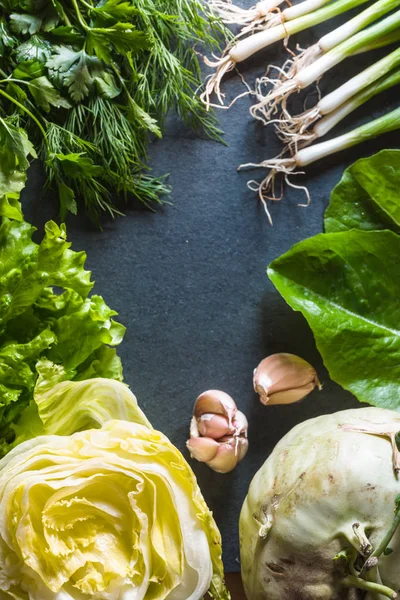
x=122, y=36
x=74, y=69
x=15, y=147
x=67, y=200
x=67, y=35
x=46, y=94
x=29, y=69
x=36, y=47
x=6, y=39
x=25, y=24
x=116, y=68
x=78, y=165
x=113, y=11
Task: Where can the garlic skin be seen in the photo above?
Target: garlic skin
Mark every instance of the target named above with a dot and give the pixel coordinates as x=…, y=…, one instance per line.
x=240, y=424
x=216, y=402
x=218, y=431
x=214, y=426
x=284, y=379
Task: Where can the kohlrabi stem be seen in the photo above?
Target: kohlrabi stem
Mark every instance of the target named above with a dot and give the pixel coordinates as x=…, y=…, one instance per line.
x=389, y=122
x=369, y=586
x=380, y=549
x=249, y=46
x=27, y=111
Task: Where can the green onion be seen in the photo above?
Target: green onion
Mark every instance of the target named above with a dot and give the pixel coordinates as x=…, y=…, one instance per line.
x=384, y=124
x=248, y=46
x=306, y=156
x=341, y=34
x=293, y=129
x=317, y=69
x=329, y=121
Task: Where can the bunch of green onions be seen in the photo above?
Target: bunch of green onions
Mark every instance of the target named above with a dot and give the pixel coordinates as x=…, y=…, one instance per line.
x=374, y=27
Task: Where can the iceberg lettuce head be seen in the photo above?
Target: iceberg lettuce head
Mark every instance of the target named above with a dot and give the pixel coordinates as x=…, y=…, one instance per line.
x=113, y=513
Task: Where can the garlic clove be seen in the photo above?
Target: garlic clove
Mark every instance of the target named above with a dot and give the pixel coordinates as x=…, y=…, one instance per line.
x=214, y=426
x=284, y=378
x=217, y=402
x=240, y=424
x=202, y=449
x=226, y=458
x=290, y=396
x=241, y=445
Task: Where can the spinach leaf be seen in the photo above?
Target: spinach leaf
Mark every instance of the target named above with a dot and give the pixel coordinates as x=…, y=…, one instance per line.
x=367, y=197
x=347, y=285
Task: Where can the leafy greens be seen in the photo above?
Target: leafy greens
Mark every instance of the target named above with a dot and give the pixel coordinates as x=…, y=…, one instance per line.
x=95, y=82
x=50, y=325
x=347, y=282
x=367, y=197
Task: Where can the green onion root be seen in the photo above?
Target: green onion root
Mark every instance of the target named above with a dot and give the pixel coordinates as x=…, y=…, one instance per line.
x=306, y=156
x=252, y=18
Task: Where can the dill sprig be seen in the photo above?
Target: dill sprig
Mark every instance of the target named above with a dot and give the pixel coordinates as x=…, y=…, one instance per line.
x=91, y=84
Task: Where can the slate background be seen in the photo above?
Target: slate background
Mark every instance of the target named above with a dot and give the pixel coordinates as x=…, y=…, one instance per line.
x=189, y=281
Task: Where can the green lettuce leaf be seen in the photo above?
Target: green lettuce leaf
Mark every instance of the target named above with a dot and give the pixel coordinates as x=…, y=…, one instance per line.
x=62, y=407
x=28, y=268
x=10, y=207
x=347, y=285
x=367, y=197
x=46, y=314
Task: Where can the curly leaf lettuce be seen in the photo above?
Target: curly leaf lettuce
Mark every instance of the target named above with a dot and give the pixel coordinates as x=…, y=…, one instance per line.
x=38, y=322
x=120, y=513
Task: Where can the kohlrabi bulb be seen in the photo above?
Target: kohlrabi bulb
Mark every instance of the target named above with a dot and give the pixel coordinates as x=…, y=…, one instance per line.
x=317, y=520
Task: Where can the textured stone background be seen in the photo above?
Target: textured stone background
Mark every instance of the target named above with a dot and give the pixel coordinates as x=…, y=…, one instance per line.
x=189, y=281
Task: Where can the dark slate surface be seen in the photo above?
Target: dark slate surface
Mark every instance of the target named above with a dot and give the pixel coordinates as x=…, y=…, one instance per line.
x=189, y=282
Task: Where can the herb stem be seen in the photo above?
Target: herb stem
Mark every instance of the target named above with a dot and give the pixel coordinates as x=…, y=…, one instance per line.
x=121, y=80
x=27, y=111
x=65, y=16
x=86, y=4
x=78, y=13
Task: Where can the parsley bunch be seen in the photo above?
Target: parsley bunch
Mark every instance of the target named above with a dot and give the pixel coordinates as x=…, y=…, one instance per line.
x=84, y=85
